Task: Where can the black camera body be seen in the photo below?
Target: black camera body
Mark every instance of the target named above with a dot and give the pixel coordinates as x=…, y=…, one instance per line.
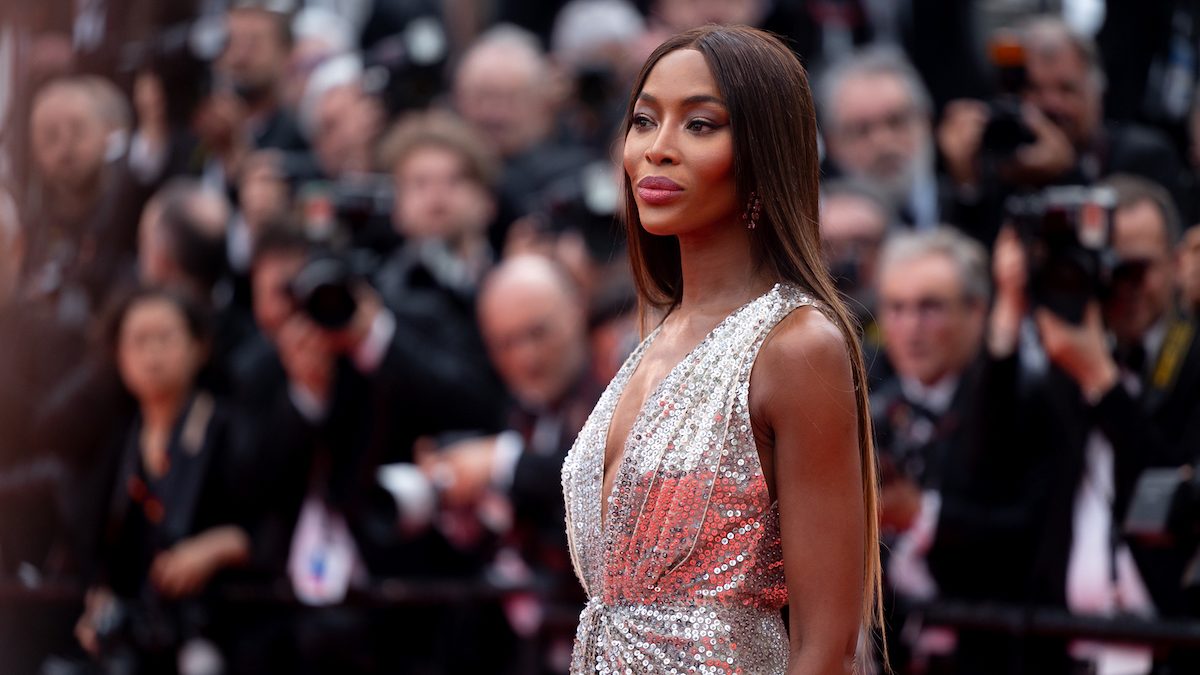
x=1006, y=129
x=1067, y=233
x=1164, y=513
x=324, y=289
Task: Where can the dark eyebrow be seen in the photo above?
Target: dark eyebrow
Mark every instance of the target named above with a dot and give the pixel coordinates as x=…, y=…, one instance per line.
x=691, y=100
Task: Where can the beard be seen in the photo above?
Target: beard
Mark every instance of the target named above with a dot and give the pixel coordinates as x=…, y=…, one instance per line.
x=896, y=175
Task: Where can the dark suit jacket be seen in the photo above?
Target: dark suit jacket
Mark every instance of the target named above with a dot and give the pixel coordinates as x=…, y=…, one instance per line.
x=205, y=487
x=373, y=419
x=1005, y=532
x=536, y=491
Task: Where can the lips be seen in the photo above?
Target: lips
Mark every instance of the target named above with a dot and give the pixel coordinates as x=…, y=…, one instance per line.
x=657, y=190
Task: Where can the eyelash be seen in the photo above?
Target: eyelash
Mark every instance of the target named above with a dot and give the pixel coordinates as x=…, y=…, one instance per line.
x=642, y=122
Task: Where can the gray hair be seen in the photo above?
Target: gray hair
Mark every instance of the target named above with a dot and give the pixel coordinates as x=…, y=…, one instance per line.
x=1047, y=33
x=966, y=253
x=879, y=60
x=860, y=189
x=583, y=27
x=339, y=71
x=512, y=39
x=1133, y=190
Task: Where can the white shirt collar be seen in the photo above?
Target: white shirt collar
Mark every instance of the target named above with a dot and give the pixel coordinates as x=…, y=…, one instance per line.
x=935, y=397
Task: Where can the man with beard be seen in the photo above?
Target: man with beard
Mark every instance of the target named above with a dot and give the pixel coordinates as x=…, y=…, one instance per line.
x=876, y=115
x=245, y=112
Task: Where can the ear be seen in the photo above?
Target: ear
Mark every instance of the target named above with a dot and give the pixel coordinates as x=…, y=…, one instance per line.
x=115, y=145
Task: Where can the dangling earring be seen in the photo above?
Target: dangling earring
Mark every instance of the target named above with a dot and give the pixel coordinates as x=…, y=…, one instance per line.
x=753, y=208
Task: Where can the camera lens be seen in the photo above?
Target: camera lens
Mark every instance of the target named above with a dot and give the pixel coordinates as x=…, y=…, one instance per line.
x=323, y=289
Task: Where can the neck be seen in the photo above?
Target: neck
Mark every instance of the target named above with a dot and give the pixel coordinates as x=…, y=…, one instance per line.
x=719, y=271
x=160, y=413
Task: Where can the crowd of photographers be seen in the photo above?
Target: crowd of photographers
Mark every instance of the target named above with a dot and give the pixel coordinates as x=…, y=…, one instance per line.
x=303, y=303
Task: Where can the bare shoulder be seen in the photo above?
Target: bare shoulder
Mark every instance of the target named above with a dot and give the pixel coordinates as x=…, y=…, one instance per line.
x=803, y=367
x=807, y=344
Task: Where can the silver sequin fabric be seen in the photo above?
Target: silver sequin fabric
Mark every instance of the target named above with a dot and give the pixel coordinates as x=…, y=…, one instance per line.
x=684, y=571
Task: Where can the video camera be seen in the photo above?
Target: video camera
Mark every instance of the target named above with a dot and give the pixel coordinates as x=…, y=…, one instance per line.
x=1067, y=233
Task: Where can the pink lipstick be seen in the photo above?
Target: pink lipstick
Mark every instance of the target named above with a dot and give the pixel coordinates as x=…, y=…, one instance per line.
x=657, y=190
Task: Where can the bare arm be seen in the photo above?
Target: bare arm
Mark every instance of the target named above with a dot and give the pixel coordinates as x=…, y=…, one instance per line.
x=803, y=392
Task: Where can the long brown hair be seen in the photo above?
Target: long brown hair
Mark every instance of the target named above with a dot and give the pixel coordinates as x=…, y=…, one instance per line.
x=773, y=122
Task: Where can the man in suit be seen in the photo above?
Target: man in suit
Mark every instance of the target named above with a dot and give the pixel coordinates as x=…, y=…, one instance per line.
x=932, y=298
x=877, y=121
x=334, y=405
x=535, y=326
x=1121, y=394
x=80, y=220
x=245, y=111
x=443, y=175
x=534, y=323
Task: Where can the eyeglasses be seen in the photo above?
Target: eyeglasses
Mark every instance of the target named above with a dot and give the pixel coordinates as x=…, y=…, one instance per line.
x=896, y=121
x=926, y=310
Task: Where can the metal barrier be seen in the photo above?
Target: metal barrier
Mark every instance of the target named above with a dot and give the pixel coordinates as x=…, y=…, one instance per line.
x=1026, y=621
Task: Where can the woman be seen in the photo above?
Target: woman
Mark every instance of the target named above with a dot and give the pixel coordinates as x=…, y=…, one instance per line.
x=173, y=523
x=728, y=470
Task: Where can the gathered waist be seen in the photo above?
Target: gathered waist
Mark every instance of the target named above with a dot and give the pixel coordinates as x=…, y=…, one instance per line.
x=658, y=637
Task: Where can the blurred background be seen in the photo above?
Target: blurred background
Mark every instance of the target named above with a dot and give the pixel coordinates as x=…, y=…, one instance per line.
x=302, y=304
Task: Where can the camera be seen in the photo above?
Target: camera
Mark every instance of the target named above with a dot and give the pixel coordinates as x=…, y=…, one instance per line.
x=324, y=288
x=1164, y=512
x=1067, y=233
x=583, y=201
x=355, y=209
x=1006, y=129
x=362, y=200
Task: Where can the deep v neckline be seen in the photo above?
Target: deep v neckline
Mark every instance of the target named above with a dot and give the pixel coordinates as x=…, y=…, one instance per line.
x=643, y=413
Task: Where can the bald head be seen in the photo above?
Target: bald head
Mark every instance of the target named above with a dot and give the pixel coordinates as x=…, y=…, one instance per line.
x=502, y=88
x=534, y=324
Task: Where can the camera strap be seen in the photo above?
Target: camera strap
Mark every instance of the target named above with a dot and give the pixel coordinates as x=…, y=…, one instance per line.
x=1170, y=358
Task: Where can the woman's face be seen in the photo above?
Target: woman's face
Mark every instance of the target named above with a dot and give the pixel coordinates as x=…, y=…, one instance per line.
x=157, y=356
x=679, y=149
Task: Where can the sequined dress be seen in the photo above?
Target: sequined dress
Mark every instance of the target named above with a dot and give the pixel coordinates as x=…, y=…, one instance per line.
x=684, y=573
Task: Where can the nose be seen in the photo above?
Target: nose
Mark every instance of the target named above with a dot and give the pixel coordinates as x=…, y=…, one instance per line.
x=662, y=148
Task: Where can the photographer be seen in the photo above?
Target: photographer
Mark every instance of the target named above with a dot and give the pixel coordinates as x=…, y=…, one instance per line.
x=1080, y=432
x=338, y=396
x=344, y=120
x=1050, y=130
